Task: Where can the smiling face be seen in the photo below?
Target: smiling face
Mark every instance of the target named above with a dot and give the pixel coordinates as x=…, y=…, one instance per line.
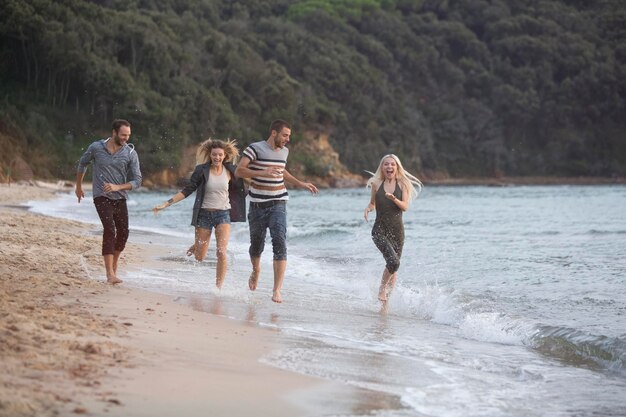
x=281, y=138
x=121, y=136
x=389, y=168
x=217, y=156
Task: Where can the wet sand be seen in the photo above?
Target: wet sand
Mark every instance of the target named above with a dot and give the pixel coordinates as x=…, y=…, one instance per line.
x=72, y=345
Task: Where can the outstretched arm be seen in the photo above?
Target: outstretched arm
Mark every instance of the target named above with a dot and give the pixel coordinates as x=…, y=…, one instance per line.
x=178, y=197
x=196, y=180
x=290, y=179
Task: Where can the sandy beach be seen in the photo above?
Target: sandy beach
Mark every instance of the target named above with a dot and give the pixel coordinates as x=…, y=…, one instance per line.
x=73, y=345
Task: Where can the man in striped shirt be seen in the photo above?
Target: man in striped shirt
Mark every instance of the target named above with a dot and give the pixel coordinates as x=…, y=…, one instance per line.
x=264, y=163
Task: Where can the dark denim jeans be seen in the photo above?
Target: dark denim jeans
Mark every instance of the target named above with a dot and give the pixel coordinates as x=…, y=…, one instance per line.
x=260, y=219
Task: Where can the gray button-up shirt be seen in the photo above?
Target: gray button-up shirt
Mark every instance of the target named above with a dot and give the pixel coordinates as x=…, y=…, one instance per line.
x=117, y=168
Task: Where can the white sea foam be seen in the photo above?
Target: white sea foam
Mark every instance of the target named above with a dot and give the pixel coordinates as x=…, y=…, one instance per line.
x=65, y=206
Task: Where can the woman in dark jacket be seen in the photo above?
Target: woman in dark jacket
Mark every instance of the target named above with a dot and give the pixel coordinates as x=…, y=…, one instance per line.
x=220, y=200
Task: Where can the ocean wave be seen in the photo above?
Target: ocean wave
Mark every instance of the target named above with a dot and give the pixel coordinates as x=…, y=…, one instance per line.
x=581, y=348
x=605, y=232
x=542, y=233
x=473, y=316
x=476, y=318
x=322, y=232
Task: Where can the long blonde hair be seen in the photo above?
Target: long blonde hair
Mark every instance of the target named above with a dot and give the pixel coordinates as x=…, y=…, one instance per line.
x=406, y=180
x=231, y=153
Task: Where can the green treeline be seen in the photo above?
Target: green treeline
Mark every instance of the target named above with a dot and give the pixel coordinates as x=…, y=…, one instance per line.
x=454, y=87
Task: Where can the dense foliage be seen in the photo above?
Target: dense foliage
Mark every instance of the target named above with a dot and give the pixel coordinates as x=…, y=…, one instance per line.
x=465, y=87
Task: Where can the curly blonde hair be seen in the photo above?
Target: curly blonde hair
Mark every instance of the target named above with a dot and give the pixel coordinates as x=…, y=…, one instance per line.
x=231, y=152
x=406, y=180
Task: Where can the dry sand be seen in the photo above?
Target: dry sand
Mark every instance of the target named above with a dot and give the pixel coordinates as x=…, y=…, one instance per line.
x=73, y=345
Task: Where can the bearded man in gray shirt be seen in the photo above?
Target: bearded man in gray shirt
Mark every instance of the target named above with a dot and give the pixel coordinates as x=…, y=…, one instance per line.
x=115, y=171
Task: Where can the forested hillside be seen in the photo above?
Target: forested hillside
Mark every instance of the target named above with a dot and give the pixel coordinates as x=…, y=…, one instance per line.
x=455, y=88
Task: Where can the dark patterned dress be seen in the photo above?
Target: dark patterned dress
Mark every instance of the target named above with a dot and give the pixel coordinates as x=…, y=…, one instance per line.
x=388, y=230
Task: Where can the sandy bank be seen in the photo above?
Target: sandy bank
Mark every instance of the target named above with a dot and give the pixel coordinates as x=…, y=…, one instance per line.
x=71, y=344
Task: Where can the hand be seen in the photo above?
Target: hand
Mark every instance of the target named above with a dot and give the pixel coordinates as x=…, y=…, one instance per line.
x=108, y=187
x=367, y=211
x=390, y=196
x=273, y=172
x=312, y=188
x=79, y=193
x=156, y=209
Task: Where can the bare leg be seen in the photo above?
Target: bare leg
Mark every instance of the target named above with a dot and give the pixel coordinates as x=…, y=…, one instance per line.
x=222, y=234
x=256, y=270
x=110, y=271
x=116, y=258
x=254, y=275
x=382, y=294
x=386, y=285
x=391, y=284
x=279, y=274
x=384, y=309
x=201, y=247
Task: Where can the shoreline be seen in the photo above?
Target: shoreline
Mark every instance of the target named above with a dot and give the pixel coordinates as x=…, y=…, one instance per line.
x=471, y=182
x=72, y=344
x=525, y=181
x=504, y=181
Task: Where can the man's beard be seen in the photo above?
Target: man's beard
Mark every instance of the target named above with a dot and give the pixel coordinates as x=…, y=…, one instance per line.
x=117, y=141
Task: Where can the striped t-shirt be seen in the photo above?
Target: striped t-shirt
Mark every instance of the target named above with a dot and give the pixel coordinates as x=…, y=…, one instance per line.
x=262, y=156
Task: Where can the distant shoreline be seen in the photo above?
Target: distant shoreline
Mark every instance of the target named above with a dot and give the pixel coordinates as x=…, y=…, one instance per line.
x=65, y=185
x=511, y=181
x=502, y=181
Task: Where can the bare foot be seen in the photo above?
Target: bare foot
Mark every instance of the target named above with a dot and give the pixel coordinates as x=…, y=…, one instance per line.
x=253, y=281
x=276, y=297
x=191, y=250
x=114, y=280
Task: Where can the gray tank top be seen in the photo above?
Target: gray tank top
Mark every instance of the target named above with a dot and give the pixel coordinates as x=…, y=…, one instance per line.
x=216, y=192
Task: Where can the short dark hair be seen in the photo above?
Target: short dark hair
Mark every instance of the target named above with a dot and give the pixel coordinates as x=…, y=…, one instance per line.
x=278, y=125
x=117, y=123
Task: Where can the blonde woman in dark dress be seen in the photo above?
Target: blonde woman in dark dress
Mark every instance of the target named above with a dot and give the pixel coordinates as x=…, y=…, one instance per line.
x=392, y=190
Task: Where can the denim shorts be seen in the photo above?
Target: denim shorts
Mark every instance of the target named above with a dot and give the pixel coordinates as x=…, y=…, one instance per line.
x=274, y=218
x=208, y=219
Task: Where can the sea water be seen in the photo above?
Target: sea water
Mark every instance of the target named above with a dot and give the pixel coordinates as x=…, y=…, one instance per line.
x=510, y=301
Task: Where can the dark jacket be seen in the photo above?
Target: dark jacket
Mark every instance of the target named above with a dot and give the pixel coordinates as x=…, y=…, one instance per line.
x=236, y=192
